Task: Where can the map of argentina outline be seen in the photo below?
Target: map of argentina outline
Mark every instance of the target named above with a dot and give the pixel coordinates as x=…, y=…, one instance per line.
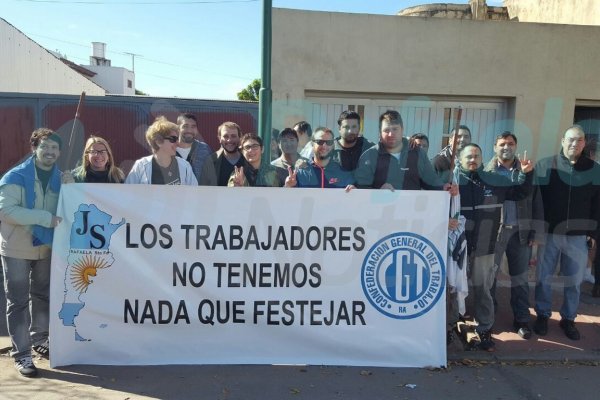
x=89, y=244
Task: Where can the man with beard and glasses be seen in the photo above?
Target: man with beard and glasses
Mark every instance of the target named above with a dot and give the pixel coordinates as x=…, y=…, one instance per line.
x=28, y=201
x=228, y=156
x=196, y=152
x=521, y=227
x=290, y=158
x=393, y=164
x=349, y=146
x=441, y=162
x=322, y=171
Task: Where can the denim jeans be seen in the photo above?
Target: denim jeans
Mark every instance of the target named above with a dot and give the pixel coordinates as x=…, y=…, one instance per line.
x=573, y=253
x=518, y=256
x=483, y=271
x=26, y=283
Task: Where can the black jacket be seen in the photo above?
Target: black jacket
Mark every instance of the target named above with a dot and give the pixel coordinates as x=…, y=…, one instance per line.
x=481, y=196
x=530, y=210
x=570, y=194
x=348, y=157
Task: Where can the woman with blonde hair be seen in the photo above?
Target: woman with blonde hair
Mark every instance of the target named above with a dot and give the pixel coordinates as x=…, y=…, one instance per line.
x=97, y=164
x=162, y=167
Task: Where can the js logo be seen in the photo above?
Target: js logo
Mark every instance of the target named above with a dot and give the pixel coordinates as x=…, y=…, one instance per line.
x=403, y=275
x=95, y=232
x=92, y=229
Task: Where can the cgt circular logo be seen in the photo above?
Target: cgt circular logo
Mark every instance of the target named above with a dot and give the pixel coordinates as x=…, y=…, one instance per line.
x=403, y=275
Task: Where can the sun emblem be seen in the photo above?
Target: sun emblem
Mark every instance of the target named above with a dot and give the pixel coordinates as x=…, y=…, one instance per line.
x=84, y=269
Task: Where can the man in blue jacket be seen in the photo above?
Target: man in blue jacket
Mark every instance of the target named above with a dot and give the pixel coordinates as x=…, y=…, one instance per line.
x=322, y=171
x=570, y=187
x=28, y=201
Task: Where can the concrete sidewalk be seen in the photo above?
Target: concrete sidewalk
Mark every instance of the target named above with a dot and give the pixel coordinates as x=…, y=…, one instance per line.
x=553, y=347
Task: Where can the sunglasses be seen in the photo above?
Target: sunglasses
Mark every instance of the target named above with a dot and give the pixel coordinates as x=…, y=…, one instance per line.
x=172, y=139
x=321, y=142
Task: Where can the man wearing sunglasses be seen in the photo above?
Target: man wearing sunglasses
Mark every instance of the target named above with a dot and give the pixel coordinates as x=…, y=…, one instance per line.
x=322, y=171
x=393, y=164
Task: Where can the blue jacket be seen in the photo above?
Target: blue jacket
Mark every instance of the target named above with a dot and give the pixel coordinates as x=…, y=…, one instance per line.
x=332, y=176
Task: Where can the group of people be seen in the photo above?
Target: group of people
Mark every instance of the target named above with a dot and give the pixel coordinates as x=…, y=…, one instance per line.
x=505, y=207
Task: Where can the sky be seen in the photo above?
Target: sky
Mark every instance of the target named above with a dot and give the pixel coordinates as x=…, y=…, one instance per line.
x=183, y=48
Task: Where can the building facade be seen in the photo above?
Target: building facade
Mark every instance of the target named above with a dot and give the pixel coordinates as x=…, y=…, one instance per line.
x=524, y=77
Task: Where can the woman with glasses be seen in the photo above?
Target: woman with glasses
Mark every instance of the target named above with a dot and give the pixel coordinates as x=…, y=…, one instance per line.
x=162, y=167
x=97, y=164
x=255, y=171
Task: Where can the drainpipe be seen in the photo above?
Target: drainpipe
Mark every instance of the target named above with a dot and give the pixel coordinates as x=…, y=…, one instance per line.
x=265, y=94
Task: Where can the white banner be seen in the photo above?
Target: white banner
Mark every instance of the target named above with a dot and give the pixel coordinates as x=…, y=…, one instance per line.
x=148, y=274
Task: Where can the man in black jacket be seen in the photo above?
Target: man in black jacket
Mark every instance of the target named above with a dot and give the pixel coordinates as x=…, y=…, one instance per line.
x=521, y=227
x=482, y=194
x=570, y=187
x=350, y=145
x=442, y=161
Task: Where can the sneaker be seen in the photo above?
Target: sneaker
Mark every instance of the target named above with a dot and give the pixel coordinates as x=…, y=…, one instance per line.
x=570, y=330
x=540, y=326
x=487, y=343
x=25, y=366
x=43, y=349
x=522, y=329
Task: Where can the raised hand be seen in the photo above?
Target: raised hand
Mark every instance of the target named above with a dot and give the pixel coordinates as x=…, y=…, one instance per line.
x=526, y=163
x=290, y=180
x=238, y=176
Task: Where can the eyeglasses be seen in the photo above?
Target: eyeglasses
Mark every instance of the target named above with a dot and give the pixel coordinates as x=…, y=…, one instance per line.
x=97, y=152
x=249, y=147
x=172, y=139
x=321, y=142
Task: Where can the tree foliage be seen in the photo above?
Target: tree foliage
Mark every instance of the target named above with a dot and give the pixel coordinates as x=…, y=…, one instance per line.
x=251, y=91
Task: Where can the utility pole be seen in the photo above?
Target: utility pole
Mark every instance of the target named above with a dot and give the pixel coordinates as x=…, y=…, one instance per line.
x=265, y=94
x=133, y=56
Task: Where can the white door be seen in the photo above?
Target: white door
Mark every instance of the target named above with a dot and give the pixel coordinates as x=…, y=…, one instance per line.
x=434, y=118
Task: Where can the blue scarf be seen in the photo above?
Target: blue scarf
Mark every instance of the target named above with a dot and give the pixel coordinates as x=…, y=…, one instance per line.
x=24, y=175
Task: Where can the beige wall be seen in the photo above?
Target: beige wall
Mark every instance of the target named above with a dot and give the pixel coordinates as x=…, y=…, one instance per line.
x=540, y=68
x=27, y=67
x=573, y=12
